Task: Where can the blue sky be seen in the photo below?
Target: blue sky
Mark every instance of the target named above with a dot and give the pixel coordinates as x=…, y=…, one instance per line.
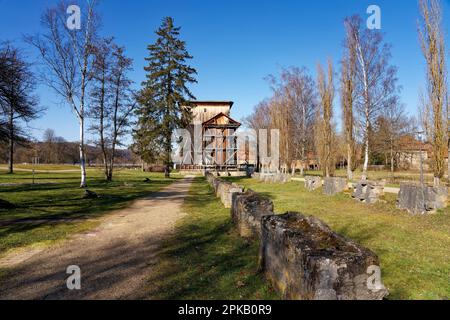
x=235, y=43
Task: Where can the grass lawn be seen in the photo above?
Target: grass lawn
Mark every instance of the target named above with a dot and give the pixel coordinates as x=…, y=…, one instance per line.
x=392, y=180
x=42, y=166
x=207, y=259
x=414, y=250
x=54, y=207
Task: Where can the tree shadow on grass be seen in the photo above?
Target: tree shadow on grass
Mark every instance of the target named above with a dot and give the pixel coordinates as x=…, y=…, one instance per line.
x=206, y=259
x=62, y=204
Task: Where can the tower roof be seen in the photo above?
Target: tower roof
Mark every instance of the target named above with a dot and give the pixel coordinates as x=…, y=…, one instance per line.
x=212, y=103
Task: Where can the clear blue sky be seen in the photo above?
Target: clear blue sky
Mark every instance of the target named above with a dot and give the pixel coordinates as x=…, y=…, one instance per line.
x=235, y=43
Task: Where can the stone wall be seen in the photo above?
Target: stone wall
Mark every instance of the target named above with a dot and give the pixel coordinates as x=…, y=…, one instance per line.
x=304, y=259
x=247, y=211
x=334, y=186
x=368, y=191
x=273, y=177
x=224, y=189
x=313, y=183
x=417, y=199
x=256, y=175
x=301, y=256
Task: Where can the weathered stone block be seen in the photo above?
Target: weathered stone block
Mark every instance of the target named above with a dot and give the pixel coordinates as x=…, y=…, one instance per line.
x=224, y=189
x=284, y=178
x=368, y=191
x=304, y=259
x=417, y=199
x=249, y=171
x=256, y=175
x=225, y=192
x=275, y=178
x=247, y=211
x=313, y=183
x=334, y=186
x=268, y=178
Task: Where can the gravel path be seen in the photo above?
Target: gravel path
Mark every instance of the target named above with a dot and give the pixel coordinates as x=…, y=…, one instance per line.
x=115, y=259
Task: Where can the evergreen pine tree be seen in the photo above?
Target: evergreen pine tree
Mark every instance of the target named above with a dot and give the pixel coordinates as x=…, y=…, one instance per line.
x=164, y=94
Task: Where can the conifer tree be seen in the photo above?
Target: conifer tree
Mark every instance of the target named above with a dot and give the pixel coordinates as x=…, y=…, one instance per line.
x=165, y=92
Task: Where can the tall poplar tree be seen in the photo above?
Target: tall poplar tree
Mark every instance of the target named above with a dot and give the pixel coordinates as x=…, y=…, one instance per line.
x=164, y=95
x=432, y=40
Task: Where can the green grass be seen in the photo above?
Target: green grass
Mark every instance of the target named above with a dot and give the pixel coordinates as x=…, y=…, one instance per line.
x=43, y=166
x=54, y=207
x=207, y=259
x=393, y=180
x=414, y=251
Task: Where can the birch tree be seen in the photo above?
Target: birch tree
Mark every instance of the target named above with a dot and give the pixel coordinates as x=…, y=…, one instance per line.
x=67, y=57
x=376, y=80
x=432, y=41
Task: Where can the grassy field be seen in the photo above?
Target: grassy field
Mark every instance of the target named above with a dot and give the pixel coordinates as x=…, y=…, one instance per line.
x=54, y=208
x=207, y=259
x=414, y=250
x=42, y=167
x=393, y=180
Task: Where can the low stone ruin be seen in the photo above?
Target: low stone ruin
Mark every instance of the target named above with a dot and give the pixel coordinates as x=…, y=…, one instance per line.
x=368, y=191
x=302, y=257
x=267, y=178
x=306, y=260
x=247, y=211
x=313, y=183
x=224, y=189
x=418, y=199
x=256, y=175
x=225, y=192
x=282, y=178
x=249, y=171
x=334, y=186
x=275, y=178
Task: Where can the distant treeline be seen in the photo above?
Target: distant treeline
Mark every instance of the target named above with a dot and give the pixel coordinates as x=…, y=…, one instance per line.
x=62, y=152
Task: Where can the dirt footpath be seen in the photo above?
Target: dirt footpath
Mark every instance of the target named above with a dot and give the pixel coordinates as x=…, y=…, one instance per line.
x=115, y=259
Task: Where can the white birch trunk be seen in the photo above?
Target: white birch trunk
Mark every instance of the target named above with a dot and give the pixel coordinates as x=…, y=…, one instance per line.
x=83, y=183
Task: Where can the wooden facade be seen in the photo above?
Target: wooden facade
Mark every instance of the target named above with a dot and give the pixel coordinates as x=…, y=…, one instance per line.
x=218, y=141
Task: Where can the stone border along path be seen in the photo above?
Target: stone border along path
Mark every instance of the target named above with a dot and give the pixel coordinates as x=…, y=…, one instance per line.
x=300, y=255
x=115, y=259
x=350, y=185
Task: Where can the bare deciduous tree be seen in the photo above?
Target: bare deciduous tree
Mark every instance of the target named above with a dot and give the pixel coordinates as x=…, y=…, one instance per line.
x=348, y=79
x=433, y=47
x=388, y=131
x=17, y=101
x=68, y=57
x=292, y=110
x=113, y=100
x=325, y=133
x=376, y=80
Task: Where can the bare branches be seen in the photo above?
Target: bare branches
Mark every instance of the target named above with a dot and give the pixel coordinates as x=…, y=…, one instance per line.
x=375, y=80
x=324, y=136
x=433, y=48
x=18, y=104
x=292, y=110
x=67, y=56
x=113, y=101
x=348, y=78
